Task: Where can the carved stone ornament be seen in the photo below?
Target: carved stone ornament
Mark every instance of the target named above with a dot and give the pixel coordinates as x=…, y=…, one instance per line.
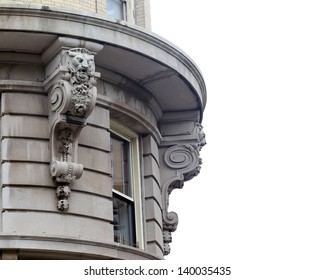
x=182, y=163
x=72, y=98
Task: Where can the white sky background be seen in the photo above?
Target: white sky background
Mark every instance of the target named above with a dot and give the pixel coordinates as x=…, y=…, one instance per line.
x=252, y=206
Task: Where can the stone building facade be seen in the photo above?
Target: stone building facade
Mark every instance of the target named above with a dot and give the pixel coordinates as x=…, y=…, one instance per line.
x=100, y=121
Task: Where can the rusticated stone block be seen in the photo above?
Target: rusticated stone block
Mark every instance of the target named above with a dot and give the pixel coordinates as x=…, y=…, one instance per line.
x=151, y=168
x=17, y=149
x=94, y=182
x=154, y=233
x=23, y=173
x=152, y=189
x=24, y=103
x=95, y=137
x=99, y=117
x=24, y=126
x=153, y=211
x=31, y=198
x=154, y=248
x=94, y=160
x=150, y=147
x=56, y=224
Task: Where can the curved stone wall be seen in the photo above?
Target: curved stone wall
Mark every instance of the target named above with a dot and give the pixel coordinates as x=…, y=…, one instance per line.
x=50, y=127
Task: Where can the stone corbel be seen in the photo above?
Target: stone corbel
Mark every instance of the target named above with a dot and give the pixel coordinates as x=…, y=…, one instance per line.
x=71, y=100
x=180, y=162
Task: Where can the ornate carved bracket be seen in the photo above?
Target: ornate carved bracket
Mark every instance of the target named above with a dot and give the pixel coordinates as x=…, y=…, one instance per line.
x=181, y=162
x=72, y=98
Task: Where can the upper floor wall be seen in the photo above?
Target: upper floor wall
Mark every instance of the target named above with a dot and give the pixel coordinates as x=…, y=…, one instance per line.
x=135, y=12
x=164, y=77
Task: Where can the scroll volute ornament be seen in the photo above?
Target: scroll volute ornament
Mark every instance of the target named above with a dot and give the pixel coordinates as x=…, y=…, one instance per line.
x=71, y=100
x=182, y=163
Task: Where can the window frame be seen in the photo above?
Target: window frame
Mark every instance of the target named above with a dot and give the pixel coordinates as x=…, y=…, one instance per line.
x=128, y=11
x=135, y=177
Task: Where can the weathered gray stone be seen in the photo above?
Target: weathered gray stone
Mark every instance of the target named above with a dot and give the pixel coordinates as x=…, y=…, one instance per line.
x=95, y=137
x=99, y=117
x=56, y=224
x=94, y=159
x=24, y=103
x=24, y=126
x=31, y=198
x=147, y=86
x=151, y=168
x=19, y=149
x=23, y=173
x=56, y=247
x=90, y=205
x=155, y=249
x=23, y=72
x=72, y=98
x=152, y=189
x=28, y=198
x=154, y=233
x=150, y=147
x=94, y=182
x=153, y=211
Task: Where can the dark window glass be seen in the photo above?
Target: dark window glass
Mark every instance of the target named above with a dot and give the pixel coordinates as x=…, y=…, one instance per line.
x=124, y=224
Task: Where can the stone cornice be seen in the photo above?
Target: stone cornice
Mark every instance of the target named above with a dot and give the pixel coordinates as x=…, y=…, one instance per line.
x=186, y=68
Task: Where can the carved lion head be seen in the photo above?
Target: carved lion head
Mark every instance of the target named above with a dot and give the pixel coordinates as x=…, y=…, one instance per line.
x=80, y=63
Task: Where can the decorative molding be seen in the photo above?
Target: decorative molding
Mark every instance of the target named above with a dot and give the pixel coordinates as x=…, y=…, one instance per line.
x=72, y=248
x=181, y=162
x=61, y=21
x=72, y=98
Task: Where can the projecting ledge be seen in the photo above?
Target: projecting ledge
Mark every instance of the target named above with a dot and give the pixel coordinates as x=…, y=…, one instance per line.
x=158, y=66
x=30, y=247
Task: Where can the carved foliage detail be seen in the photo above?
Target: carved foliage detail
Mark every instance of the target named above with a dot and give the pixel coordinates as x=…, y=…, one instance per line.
x=75, y=94
x=167, y=236
x=201, y=137
x=80, y=100
x=72, y=99
x=81, y=69
x=65, y=143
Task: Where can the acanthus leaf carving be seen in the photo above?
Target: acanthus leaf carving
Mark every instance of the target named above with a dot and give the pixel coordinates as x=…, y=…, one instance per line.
x=71, y=100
